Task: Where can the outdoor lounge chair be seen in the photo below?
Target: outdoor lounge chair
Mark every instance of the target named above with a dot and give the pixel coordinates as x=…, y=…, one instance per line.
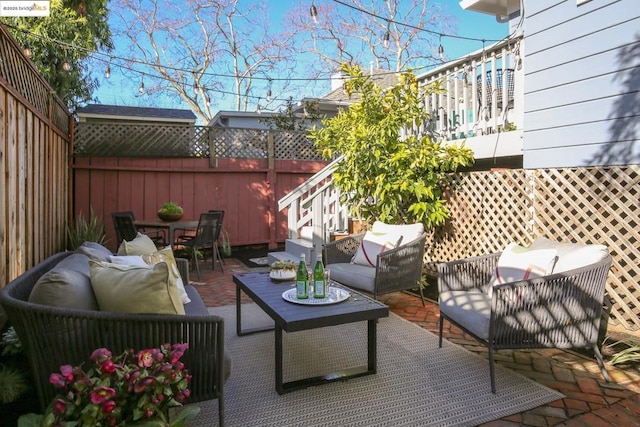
x=393, y=263
x=560, y=309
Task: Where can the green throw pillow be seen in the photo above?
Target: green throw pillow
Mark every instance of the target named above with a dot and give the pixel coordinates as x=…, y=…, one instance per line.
x=135, y=289
x=66, y=285
x=141, y=245
x=166, y=255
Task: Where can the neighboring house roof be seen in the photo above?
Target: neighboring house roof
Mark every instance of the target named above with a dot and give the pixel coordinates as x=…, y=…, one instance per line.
x=338, y=98
x=249, y=119
x=120, y=112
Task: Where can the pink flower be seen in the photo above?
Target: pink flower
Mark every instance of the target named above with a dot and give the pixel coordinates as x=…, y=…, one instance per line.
x=178, y=351
x=141, y=385
x=108, y=406
x=101, y=394
x=60, y=406
x=108, y=367
x=100, y=355
x=145, y=358
x=57, y=380
x=67, y=372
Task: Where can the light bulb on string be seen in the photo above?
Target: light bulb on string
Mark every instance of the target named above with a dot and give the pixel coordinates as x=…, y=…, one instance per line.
x=141, y=88
x=441, y=50
x=314, y=13
x=26, y=49
x=107, y=71
x=385, y=40
x=66, y=65
x=269, y=91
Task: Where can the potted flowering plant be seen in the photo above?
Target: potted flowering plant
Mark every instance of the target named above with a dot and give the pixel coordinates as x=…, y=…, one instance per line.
x=129, y=389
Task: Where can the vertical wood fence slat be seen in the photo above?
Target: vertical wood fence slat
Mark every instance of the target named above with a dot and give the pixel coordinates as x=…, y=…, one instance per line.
x=34, y=164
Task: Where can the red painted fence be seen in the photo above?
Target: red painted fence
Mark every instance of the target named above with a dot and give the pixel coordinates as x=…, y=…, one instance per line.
x=246, y=189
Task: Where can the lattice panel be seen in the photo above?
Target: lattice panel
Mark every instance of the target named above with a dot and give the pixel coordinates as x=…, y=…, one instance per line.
x=488, y=210
x=157, y=140
x=295, y=146
x=140, y=140
x=240, y=143
x=597, y=205
x=583, y=205
x=25, y=79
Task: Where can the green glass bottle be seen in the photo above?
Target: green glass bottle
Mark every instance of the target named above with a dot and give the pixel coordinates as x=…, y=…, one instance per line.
x=302, y=279
x=319, y=285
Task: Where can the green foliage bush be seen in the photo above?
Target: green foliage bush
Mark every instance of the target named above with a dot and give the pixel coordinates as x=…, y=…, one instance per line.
x=81, y=231
x=386, y=175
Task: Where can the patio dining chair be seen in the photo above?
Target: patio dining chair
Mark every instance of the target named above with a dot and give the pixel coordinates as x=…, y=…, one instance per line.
x=124, y=224
x=204, y=237
x=216, y=249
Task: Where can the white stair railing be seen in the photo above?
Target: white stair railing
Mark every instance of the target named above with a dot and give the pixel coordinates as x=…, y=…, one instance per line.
x=316, y=204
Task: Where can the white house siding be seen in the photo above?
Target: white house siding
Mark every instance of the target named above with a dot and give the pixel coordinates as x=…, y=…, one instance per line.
x=582, y=83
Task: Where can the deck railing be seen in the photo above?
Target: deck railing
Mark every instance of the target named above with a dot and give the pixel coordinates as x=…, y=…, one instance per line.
x=478, y=94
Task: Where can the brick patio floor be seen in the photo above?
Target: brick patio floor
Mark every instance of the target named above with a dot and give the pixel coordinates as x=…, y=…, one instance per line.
x=590, y=401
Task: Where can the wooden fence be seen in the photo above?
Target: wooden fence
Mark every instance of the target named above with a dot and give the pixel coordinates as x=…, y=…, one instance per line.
x=586, y=205
x=35, y=148
x=241, y=171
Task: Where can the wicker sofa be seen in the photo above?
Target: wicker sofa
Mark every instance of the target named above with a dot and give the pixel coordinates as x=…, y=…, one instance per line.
x=560, y=308
x=53, y=336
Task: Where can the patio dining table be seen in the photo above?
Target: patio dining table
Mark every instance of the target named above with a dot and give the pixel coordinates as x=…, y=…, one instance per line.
x=170, y=226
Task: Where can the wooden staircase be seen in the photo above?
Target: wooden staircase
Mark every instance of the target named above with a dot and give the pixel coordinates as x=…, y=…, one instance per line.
x=314, y=213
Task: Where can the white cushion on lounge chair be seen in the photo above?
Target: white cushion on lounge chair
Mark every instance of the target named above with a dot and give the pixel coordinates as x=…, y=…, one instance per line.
x=356, y=275
x=471, y=308
x=571, y=255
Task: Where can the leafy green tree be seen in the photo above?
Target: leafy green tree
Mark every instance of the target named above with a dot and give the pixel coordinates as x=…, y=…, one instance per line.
x=74, y=29
x=288, y=120
x=388, y=173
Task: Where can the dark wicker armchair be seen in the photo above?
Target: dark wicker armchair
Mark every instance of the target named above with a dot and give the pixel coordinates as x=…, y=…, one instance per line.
x=55, y=336
x=397, y=269
x=556, y=311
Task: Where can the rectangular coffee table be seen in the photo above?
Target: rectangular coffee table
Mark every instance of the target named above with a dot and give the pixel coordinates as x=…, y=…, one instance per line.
x=292, y=317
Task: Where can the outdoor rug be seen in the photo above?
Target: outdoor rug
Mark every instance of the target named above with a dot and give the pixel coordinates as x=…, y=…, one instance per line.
x=417, y=384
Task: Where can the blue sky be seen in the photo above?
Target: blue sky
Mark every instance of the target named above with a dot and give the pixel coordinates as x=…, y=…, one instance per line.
x=122, y=91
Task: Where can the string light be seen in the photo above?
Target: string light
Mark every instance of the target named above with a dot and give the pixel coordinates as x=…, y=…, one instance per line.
x=441, y=50
x=404, y=24
x=385, y=40
x=98, y=56
x=269, y=91
x=314, y=13
x=66, y=65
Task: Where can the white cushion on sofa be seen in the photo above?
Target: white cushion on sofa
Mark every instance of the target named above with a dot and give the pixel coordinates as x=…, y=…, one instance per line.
x=571, y=255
